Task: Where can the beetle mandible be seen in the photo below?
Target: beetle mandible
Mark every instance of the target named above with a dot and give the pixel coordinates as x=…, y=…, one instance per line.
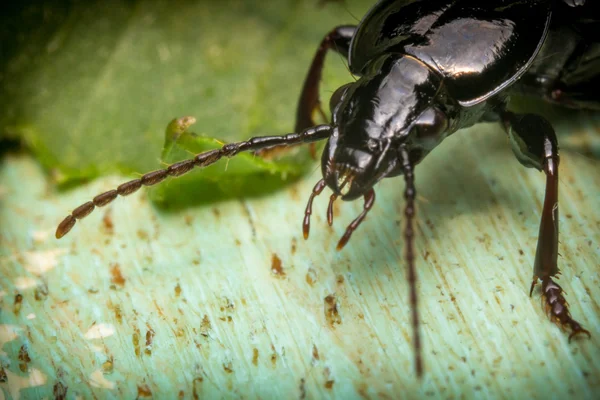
x=427, y=69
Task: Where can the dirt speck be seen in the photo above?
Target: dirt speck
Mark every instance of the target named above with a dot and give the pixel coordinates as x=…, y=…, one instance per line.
x=23, y=358
x=117, y=310
x=40, y=292
x=311, y=277
x=60, y=391
x=339, y=279
x=276, y=267
x=177, y=290
x=329, y=384
x=135, y=339
x=195, y=385
x=149, y=340
x=142, y=234
x=188, y=219
x=228, y=367
x=331, y=310
x=116, y=275
x=143, y=391
x=108, y=366
x=18, y=303
x=302, y=389
x=205, y=326
x=107, y=222
x=294, y=245
x=216, y=213
x=3, y=376
x=315, y=352
x=255, y=356
x=273, y=356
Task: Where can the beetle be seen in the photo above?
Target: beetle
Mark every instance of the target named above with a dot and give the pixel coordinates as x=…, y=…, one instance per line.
x=426, y=70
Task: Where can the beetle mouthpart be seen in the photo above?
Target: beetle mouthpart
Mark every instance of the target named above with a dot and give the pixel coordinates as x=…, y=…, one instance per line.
x=330, y=209
x=369, y=200
x=345, y=188
x=316, y=191
x=344, y=182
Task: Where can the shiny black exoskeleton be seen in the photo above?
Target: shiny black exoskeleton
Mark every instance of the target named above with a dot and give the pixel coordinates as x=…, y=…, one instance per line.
x=428, y=68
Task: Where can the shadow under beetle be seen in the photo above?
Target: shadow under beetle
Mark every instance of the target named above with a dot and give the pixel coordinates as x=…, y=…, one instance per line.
x=428, y=68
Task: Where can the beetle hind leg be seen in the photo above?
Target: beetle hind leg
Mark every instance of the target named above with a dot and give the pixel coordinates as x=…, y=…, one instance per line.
x=535, y=145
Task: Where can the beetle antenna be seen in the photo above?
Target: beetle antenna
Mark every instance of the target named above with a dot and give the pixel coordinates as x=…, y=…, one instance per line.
x=201, y=160
x=409, y=238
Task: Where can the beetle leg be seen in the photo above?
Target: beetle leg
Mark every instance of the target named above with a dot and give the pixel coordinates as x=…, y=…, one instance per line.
x=201, y=160
x=534, y=143
x=339, y=40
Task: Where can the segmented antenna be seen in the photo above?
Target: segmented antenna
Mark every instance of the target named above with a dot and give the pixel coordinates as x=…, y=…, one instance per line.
x=409, y=237
x=201, y=160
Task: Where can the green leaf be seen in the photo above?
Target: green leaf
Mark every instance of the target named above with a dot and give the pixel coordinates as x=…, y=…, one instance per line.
x=244, y=175
x=92, y=85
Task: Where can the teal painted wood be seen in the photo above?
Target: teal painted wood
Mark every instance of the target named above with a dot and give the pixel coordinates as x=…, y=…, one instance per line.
x=136, y=301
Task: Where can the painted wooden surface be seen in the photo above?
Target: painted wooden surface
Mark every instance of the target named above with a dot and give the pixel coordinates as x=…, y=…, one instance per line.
x=135, y=301
x=227, y=300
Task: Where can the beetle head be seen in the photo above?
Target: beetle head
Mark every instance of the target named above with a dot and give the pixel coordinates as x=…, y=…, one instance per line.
x=393, y=105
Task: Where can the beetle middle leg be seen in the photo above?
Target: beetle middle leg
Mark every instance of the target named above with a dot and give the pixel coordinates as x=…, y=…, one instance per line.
x=535, y=145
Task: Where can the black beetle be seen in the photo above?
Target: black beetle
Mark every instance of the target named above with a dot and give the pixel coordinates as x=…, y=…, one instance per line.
x=427, y=69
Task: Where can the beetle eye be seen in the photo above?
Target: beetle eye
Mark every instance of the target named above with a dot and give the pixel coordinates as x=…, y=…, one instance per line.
x=336, y=97
x=431, y=123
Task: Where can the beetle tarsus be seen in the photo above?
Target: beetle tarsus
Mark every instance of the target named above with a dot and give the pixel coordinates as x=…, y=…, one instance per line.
x=557, y=308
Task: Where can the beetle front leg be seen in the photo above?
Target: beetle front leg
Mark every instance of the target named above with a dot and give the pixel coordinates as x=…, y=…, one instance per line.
x=534, y=143
x=339, y=40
